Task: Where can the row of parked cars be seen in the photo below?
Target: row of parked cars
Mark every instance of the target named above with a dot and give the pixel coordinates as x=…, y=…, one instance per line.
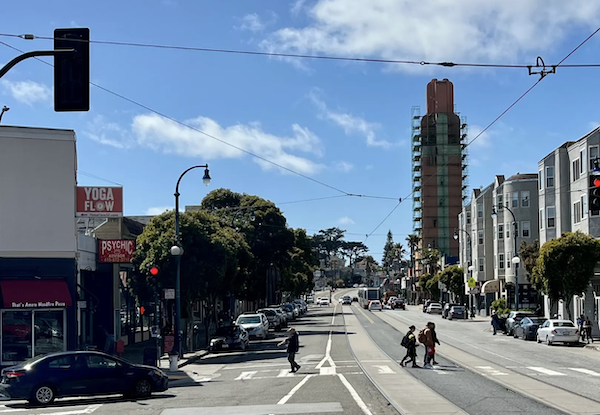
x=256, y=325
x=528, y=326
x=448, y=310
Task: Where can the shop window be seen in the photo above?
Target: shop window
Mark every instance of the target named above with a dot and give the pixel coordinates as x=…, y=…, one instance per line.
x=16, y=336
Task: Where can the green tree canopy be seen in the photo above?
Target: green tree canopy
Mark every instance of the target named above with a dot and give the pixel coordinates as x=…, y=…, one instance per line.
x=529, y=253
x=329, y=242
x=566, y=265
x=354, y=251
x=453, y=278
x=298, y=275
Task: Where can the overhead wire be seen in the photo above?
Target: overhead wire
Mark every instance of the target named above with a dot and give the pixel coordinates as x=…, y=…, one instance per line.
x=93, y=176
x=492, y=123
x=303, y=56
x=183, y=124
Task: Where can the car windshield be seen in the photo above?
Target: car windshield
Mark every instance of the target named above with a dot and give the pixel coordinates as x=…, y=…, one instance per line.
x=537, y=320
x=249, y=319
x=458, y=309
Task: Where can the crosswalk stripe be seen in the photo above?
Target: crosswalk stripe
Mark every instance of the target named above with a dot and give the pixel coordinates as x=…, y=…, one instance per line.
x=285, y=373
x=246, y=375
x=382, y=369
x=585, y=371
x=545, y=371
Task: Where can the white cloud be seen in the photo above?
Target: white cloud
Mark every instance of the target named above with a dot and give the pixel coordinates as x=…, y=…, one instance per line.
x=252, y=22
x=343, y=166
x=108, y=133
x=297, y=6
x=349, y=123
x=161, y=134
x=157, y=210
x=27, y=92
x=435, y=30
x=483, y=141
x=345, y=221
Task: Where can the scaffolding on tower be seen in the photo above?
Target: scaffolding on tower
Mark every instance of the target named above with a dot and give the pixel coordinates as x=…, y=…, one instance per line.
x=415, y=120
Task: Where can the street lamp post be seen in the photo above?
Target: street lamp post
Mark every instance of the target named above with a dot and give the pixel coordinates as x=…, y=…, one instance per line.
x=177, y=251
x=470, y=263
x=515, y=260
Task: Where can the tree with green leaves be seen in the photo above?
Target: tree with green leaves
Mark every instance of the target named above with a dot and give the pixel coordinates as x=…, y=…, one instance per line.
x=430, y=259
x=298, y=275
x=212, y=264
x=453, y=278
x=354, y=251
x=566, y=265
x=529, y=253
x=329, y=243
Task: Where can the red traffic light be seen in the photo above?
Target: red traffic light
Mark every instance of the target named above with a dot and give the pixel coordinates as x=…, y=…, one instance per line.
x=154, y=271
x=597, y=182
x=142, y=310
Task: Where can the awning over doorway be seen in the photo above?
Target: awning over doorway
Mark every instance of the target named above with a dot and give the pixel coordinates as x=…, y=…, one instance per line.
x=35, y=293
x=490, y=287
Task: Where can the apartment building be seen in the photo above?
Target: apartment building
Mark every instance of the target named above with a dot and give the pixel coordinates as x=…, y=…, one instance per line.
x=564, y=177
x=488, y=220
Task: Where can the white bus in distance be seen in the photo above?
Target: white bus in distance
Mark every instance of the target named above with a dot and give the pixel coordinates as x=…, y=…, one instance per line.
x=365, y=295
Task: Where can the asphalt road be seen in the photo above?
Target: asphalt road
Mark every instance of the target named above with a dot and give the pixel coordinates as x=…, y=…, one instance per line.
x=473, y=393
x=572, y=368
x=244, y=382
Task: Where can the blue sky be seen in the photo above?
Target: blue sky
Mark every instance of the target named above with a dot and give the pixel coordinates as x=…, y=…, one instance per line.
x=344, y=124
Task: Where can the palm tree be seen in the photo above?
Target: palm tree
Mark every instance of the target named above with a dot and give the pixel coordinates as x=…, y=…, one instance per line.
x=413, y=242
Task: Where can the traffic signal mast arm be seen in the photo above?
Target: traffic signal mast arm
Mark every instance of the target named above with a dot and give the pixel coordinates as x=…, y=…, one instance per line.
x=32, y=54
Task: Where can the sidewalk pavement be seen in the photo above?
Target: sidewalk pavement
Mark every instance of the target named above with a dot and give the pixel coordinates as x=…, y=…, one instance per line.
x=135, y=354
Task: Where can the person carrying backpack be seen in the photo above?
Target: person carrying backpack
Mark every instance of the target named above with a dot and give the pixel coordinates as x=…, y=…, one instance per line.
x=428, y=337
x=410, y=342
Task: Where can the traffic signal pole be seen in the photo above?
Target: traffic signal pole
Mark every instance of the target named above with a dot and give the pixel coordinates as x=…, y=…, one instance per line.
x=32, y=54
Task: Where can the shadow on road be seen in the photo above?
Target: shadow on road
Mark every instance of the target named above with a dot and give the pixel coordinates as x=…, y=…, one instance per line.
x=61, y=403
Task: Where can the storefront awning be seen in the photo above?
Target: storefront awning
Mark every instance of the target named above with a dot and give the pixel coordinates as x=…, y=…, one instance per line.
x=490, y=287
x=35, y=293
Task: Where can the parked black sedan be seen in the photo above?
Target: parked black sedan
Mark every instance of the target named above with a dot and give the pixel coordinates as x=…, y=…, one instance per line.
x=527, y=327
x=229, y=337
x=42, y=379
x=398, y=303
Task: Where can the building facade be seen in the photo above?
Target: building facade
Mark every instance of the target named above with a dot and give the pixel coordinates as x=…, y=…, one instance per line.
x=564, y=179
x=488, y=221
x=438, y=169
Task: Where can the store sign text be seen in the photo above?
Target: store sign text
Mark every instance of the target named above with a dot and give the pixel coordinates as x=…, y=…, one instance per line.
x=116, y=250
x=38, y=304
x=101, y=202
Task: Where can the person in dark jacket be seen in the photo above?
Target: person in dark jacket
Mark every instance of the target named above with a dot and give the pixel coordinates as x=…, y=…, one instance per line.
x=293, y=344
x=411, y=348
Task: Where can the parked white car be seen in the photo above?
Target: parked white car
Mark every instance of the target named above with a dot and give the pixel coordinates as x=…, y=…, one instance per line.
x=375, y=305
x=563, y=331
x=257, y=325
x=434, y=308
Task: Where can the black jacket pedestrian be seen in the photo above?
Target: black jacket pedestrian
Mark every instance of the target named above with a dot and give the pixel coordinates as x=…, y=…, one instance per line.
x=293, y=345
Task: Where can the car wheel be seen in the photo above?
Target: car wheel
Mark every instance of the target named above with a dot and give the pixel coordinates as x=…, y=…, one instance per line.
x=524, y=337
x=548, y=341
x=243, y=346
x=537, y=338
x=142, y=388
x=43, y=395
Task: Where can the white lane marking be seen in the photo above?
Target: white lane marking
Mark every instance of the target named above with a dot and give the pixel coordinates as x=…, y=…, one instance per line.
x=292, y=408
x=327, y=357
x=246, y=375
x=88, y=410
x=439, y=371
x=294, y=390
x=361, y=404
x=284, y=373
x=585, y=371
x=491, y=371
x=384, y=369
x=545, y=371
x=327, y=371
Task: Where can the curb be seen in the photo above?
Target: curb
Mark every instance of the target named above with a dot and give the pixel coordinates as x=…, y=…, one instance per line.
x=197, y=356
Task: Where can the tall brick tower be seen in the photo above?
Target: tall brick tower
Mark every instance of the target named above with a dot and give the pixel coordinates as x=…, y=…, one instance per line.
x=439, y=155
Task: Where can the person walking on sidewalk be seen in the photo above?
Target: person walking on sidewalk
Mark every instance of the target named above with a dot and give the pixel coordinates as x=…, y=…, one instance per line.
x=495, y=321
x=293, y=345
x=580, y=322
x=410, y=342
x=587, y=327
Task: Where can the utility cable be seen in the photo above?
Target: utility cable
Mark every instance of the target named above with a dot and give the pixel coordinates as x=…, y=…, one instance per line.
x=493, y=122
x=183, y=124
x=98, y=177
x=305, y=56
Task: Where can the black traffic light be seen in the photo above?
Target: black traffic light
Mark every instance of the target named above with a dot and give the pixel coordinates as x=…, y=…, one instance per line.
x=72, y=70
x=594, y=192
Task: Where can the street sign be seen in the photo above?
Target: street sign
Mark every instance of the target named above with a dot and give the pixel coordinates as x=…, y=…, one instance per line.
x=472, y=283
x=169, y=293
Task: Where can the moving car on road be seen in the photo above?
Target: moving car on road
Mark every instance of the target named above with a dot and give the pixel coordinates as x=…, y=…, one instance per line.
x=347, y=300
x=229, y=337
x=398, y=303
x=323, y=301
x=456, y=312
x=42, y=379
x=563, y=331
x=375, y=305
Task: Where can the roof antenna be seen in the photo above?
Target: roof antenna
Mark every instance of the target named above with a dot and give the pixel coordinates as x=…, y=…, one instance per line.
x=4, y=109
